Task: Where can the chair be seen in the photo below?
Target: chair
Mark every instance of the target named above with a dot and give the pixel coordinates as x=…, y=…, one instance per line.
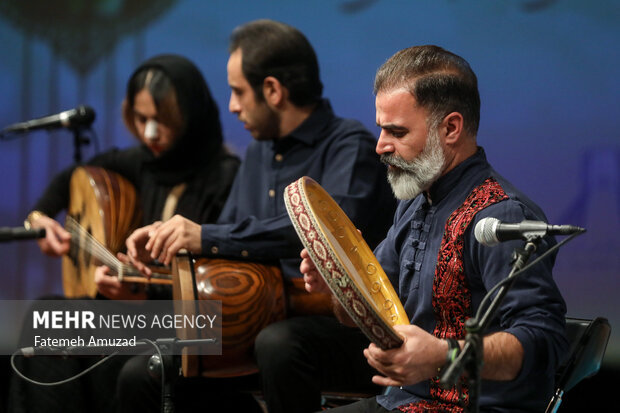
x=588, y=342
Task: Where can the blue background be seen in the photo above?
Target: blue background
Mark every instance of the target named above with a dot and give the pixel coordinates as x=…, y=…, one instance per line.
x=548, y=75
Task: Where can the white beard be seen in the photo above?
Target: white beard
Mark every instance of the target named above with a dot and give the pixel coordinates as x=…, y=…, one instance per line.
x=409, y=178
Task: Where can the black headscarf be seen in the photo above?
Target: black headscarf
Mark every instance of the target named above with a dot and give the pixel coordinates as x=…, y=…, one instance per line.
x=202, y=138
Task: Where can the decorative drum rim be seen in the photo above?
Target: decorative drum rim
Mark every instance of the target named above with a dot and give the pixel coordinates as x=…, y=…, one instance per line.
x=345, y=261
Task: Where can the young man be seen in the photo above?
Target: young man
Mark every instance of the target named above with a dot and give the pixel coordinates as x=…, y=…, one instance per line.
x=427, y=106
x=276, y=92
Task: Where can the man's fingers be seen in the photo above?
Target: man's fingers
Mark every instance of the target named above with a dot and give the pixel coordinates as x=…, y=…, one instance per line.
x=385, y=381
x=140, y=266
x=157, y=240
x=170, y=247
x=172, y=250
x=124, y=258
x=374, y=352
x=136, y=237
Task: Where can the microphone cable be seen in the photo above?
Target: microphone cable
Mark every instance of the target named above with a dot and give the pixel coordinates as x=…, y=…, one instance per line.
x=83, y=372
x=57, y=383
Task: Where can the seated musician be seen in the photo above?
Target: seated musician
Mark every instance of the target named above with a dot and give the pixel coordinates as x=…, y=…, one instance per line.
x=180, y=166
x=276, y=92
x=428, y=106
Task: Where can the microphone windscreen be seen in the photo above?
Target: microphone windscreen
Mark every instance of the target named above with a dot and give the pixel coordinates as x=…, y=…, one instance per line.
x=485, y=231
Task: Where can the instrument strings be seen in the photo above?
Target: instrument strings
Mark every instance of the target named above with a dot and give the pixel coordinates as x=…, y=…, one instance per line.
x=86, y=241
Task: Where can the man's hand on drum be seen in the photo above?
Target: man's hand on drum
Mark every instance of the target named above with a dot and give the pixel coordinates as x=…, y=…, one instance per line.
x=419, y=358
x=110, y=287
x=314, y=283
x=161, y=241
x=57, y=240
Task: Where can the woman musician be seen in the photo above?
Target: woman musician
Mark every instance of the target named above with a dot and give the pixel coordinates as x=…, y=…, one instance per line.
x=180, y=166
x=169, y=109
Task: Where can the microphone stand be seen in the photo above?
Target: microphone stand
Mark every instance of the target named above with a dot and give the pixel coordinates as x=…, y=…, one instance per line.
x=164, y=363
x=471, y=357
x=78, y=141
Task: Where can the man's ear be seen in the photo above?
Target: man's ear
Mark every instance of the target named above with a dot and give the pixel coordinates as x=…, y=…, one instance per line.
x=452, y=127
x=273, y=91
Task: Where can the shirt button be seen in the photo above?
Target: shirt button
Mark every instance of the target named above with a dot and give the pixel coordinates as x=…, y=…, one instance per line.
x=244, y=253
x=272, y=193
x=279, y=157
x=215, y=249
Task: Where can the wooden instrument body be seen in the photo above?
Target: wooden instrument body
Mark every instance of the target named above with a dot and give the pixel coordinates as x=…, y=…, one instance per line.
x=252, y=297
x=106, y=205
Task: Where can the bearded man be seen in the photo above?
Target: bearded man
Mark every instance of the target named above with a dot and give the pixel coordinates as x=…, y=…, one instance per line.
x=428, y=109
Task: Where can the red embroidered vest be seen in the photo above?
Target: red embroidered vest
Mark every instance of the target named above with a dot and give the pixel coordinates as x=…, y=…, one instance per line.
x=451, y=293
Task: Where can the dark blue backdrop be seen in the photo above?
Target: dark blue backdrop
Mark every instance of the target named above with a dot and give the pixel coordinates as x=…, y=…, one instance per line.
x=547, y=72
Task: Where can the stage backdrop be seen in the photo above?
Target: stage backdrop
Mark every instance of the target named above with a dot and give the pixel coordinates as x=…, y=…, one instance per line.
x=548, y=74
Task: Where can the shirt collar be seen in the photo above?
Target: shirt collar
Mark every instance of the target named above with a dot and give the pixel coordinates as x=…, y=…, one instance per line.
x=309, y=130
x=447, y=182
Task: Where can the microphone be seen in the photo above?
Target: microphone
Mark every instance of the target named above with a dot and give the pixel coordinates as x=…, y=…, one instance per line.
x=491, y=231
x=81, y=116
x=19, y=233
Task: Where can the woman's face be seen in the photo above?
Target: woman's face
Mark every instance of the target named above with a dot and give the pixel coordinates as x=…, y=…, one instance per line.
x=152, y=131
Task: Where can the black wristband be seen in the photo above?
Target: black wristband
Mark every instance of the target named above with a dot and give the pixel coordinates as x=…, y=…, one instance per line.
x=453, y=349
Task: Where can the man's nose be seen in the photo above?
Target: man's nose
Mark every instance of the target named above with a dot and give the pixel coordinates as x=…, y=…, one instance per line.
x=233, y=104
x=384, y=145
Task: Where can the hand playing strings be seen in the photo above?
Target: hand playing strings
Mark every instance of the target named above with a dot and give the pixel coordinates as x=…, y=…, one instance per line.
x=162, y=241
x=109, y=285
x=138, y=256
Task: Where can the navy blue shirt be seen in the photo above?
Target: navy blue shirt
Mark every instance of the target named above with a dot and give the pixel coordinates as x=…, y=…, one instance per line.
x=533, y=310
x=337, y=153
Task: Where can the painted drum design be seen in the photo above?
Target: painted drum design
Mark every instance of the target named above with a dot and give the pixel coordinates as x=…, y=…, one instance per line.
x=345, y=261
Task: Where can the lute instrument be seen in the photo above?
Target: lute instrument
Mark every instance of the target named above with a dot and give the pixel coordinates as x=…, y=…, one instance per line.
x=102, y=212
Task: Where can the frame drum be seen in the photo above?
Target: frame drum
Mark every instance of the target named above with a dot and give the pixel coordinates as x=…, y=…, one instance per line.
x=345, y=261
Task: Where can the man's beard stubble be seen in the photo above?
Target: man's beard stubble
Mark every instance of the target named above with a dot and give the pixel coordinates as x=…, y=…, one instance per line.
x=409, y=178
x=267, y=123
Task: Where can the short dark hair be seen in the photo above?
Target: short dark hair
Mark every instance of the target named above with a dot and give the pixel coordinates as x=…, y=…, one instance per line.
x=271, y=48
x=440, y=81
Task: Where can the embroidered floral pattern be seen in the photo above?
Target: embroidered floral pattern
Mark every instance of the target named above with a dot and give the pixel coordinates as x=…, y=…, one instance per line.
x=451, y=292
